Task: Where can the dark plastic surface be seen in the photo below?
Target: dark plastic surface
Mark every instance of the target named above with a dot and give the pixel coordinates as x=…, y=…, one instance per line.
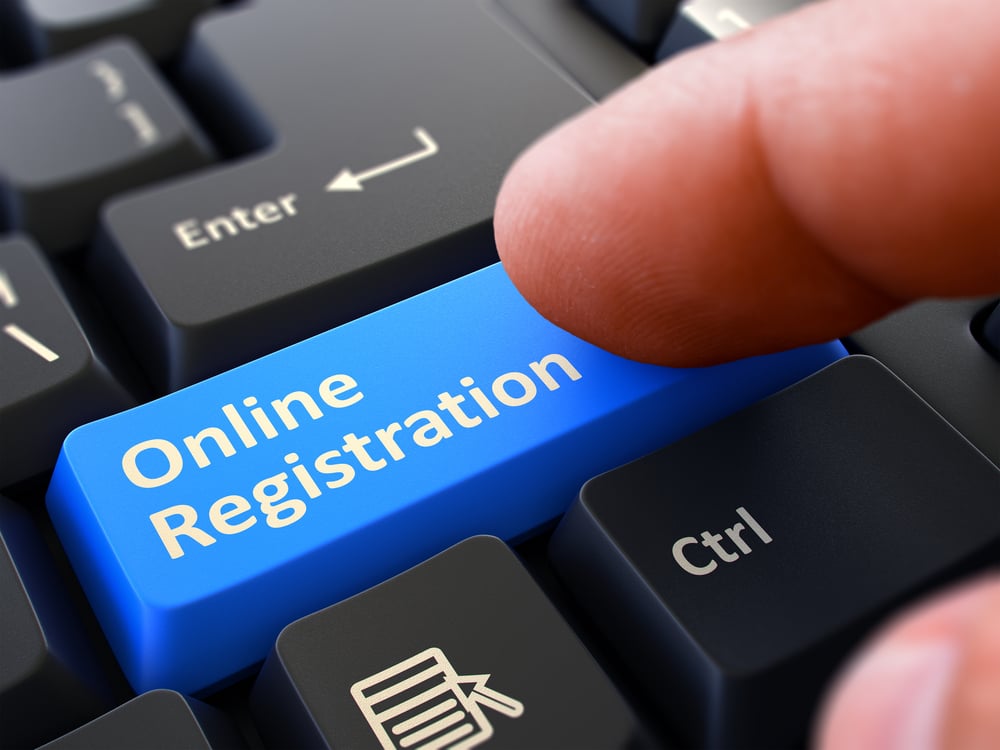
x=53, y=27
x=991, y=331
x=575, y=42
x=640, y=22
x=76, y=131
x=50, y=678
x=342, y=86
x=157, y=720
x=474, y=619
x=51, y=379
x=837, y=491
x=700, y=21
x=933, y=348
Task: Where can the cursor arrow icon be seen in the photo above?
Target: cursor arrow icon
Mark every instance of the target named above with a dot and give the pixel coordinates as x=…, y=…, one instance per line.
x=348, y=181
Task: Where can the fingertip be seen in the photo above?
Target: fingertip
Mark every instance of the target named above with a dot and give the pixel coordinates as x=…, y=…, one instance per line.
x=905, y=689
x=752, y=196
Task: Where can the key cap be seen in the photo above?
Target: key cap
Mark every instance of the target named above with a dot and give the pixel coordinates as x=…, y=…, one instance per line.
x=50, y=679
x=700, y=21
x=361, y=451
x=640, y=22
x=126, y=129
x=52, y=379
x=592, y=56
x=13, y=45
x=932, y=347
x=393, y=124
x=437, y=656
x=157, y=720
x=738, y=566
x=53, y=27
x=991, y=331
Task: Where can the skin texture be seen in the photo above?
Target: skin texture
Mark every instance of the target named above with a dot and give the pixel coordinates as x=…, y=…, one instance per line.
x=785, y=187
x=929, y=680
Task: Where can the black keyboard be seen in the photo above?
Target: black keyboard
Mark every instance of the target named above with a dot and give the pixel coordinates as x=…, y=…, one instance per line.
x=285, y=460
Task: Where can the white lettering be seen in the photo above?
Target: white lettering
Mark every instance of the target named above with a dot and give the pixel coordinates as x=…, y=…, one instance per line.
x=168, y=534
x=330, y=391
x=169, y=451
x=687, y=565
x=226, y=508
x=195, y=233
x=189, y=234
x=541, y=369
x=162, y=462
x=529, y=390
x=146, y=132
x=713, y=542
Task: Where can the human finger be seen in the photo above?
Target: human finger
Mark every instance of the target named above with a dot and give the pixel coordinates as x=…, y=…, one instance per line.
x=929, y=681
x=785, y=186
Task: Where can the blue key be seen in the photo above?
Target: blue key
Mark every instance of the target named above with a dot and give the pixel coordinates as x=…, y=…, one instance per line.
x=202, y=523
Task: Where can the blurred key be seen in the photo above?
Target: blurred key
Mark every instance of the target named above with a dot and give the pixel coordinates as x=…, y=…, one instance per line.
x=80, y=129
x=389, y=127
x=461, y=650
x=202, y=523
x=737, y=567
x=50, y=679
x=157, y=720
x=53, y=27
x=640, y=22
x=567, y=32
x=52, y=379
x=700, y=21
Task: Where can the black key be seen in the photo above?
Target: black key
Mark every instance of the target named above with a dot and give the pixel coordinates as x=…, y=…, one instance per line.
x=700, y=21
x=932, y=347
x=50, y=678
x=738, y=566
x=52, y=379
x=991, y=331
x=593, y=57
x=53, y=27
x=417, y=108
x=640, y=22
x=458, y=650
x=14, y=47
x=80, y=129
x=157, y=720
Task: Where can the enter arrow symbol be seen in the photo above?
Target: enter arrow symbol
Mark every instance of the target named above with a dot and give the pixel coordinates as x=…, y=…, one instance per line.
x=348, y=181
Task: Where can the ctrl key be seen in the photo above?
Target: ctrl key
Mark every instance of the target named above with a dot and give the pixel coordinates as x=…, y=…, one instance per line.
x=737, y=567
x=461, y=649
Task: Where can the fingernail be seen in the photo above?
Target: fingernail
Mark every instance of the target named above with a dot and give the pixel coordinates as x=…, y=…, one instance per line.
x=908, y=685
x=894, y=696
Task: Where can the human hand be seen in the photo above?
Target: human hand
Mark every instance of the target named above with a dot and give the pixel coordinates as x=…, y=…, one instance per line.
x=785, y=187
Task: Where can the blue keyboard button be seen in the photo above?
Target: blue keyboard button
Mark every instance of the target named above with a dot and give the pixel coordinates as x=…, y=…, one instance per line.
x=202, y=523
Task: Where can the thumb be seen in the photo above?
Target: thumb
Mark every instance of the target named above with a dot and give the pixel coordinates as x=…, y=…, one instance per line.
x=785, y=186
x=929, y=681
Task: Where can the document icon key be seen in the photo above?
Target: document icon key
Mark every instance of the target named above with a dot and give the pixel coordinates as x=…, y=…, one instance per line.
x=422, y=703
x=462, y=651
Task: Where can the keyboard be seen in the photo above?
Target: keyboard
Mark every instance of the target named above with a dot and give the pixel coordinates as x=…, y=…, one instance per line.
x=286, y=461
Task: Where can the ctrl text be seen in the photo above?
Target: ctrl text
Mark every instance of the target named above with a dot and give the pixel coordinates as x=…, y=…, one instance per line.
x=195, y=233
x=700, y=563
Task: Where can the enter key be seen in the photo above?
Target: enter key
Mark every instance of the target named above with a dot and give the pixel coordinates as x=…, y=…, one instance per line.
x=379, y=132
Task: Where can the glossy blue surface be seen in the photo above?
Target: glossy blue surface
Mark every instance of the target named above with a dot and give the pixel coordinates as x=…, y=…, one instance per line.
x=194, y=556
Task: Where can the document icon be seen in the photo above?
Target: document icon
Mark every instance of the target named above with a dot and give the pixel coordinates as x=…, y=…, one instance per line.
x=422, y=703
